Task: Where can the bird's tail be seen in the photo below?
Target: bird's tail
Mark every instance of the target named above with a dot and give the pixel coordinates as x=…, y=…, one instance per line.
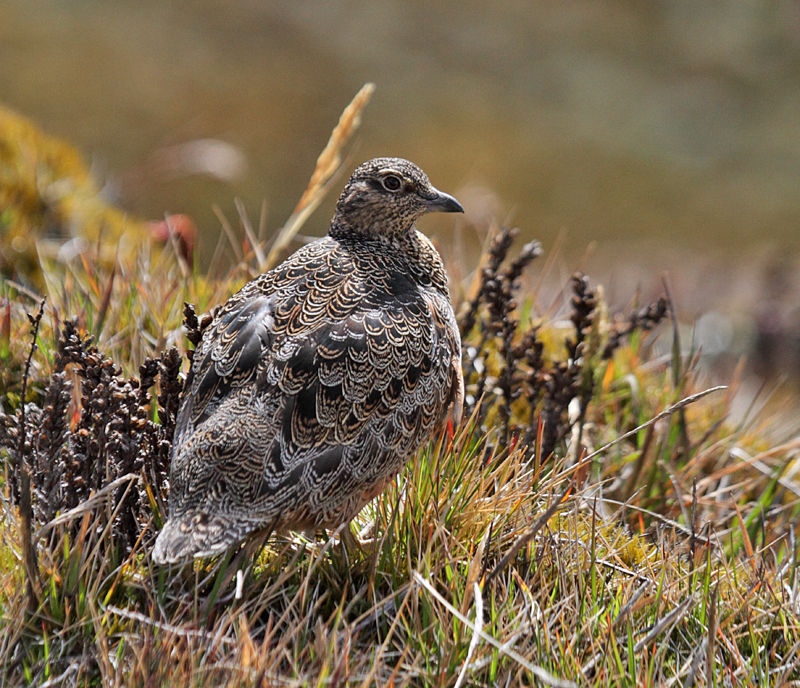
x=195, y=534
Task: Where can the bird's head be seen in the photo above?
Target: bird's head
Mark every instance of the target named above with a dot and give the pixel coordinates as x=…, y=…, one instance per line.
x=387, y=196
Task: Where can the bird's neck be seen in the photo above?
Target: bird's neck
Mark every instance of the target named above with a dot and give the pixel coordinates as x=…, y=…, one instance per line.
x=370, y=222
x=410, y=248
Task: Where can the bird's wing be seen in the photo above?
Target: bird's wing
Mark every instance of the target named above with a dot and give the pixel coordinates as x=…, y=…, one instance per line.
x=228, y=357
x=359, y=395
x=353, y=362
x=237, y=345
x=359, y=369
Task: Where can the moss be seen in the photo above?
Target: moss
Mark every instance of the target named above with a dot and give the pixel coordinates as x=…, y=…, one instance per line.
x=48, y=198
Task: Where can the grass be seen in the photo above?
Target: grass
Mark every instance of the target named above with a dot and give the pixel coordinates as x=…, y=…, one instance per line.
x=578, y=528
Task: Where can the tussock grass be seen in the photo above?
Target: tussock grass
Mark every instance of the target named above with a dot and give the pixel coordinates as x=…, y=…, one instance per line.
x=671, y=552
x=581, y=527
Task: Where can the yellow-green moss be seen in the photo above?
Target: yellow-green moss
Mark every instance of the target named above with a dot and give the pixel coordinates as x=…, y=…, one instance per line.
x=47, y=198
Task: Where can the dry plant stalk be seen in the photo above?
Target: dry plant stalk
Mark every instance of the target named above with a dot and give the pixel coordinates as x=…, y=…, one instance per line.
x=29, y=554
x=328, y=164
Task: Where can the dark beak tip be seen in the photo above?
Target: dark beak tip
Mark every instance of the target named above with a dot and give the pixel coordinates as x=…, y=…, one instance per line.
x=456, y=208
x=445, y=203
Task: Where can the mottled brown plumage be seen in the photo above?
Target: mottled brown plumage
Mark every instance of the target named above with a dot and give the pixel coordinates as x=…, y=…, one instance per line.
x=318, y=380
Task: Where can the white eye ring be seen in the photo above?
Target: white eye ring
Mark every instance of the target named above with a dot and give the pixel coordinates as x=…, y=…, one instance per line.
x=391, y=182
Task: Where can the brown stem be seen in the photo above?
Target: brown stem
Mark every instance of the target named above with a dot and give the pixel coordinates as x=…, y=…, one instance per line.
x=29, y=555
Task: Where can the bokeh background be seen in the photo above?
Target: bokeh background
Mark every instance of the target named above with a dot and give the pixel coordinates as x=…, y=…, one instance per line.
x=632, y=137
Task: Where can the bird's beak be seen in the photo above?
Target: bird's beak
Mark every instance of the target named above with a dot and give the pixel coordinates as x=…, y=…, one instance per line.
x=440, y=202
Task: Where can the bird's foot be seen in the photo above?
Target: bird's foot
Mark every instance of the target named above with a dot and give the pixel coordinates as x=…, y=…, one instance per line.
x=362, y=542
x=352, y=546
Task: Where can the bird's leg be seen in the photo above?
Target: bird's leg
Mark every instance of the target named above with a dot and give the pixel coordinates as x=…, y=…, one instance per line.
x=361, y=542
x=349, y=539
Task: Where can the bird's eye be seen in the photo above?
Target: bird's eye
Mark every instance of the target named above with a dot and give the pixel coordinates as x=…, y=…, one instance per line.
x=391, y=182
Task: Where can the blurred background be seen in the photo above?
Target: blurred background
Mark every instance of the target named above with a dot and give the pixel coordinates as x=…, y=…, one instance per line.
x=631, y=137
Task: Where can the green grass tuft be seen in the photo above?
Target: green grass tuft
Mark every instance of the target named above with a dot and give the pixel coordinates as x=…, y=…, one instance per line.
x=507, y=553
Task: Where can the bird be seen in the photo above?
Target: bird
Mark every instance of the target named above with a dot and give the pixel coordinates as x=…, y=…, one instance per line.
x=317, y=381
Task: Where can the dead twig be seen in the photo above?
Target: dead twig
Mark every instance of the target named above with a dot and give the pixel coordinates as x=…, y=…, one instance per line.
x=29, y=554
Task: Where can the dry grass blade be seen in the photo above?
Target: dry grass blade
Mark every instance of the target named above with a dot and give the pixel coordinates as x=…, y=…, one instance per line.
x=73, y=668
x=658, y=628
x=692, y=665
x=248, y=230
x=183, y=266
x=237, y=249
x=544, y=676
x=476, y=634
x=711, y=647
x=167, y=628
x=529, y=534
x=328, y=163
x=683, y=403
x=623, y=613
x=101, y=315
x=86, y=506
